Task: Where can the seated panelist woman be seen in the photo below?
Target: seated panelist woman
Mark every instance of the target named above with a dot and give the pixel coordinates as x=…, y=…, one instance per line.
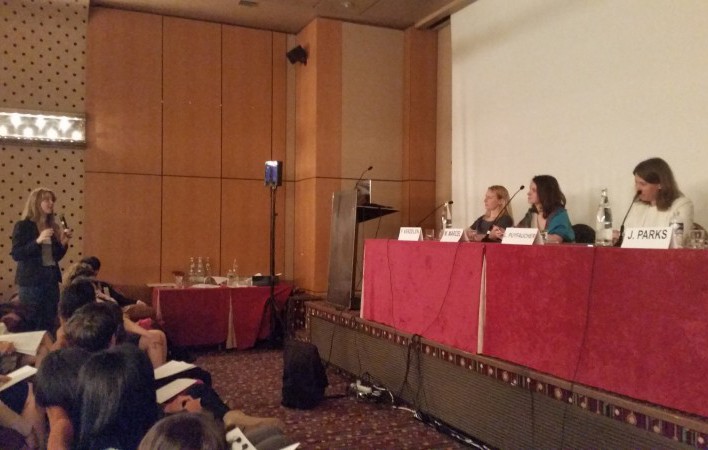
x=497, y=211
x=658, y=197
x=547, y=212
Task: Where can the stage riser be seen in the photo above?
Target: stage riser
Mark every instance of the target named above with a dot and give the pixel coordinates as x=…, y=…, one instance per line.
x=492, y=411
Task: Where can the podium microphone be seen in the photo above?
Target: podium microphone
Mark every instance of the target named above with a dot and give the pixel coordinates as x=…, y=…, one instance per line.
x=362, y=176
x=501, y=213
x=621, y=236
x=449, y=202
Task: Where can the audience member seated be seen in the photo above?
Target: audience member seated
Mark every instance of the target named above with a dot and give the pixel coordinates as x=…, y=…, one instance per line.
x=186, y=431
x=82, y=292
x=21, y=419
x=658, y=197
x=117, y=399
x=136, y=309
x=495, y=200
x=57, y=392
x=547, y=212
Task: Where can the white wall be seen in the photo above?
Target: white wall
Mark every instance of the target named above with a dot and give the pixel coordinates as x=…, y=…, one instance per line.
x=582, y=90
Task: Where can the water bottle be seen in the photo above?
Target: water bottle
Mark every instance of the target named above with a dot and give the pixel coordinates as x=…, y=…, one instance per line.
x=192, y=272
x=199, y=274
x=603, y=226
x=207, y=268
x=232, y=275
x=676, y=226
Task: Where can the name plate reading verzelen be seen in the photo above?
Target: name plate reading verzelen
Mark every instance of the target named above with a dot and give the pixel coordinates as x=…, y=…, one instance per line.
x=410, y=234
x=659, y=237
x=451, y=235
x=521, y=236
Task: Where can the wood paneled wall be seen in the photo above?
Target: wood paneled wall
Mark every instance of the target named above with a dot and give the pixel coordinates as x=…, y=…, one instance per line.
x=183, y=115
x=419, y=127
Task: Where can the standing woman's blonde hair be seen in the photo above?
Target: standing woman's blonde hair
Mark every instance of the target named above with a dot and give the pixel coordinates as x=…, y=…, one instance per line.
x=503, y=195
x=33, y=211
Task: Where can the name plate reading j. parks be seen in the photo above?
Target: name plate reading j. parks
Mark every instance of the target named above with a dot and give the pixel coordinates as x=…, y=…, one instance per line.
x=647, y=238
x=520, y=236
x=410, y=234
x=451, y=235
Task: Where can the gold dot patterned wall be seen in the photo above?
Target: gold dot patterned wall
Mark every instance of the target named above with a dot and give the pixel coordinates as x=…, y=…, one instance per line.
x=42, y=58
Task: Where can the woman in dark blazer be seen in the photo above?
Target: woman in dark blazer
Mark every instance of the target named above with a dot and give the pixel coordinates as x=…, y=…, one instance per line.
x=38, y=244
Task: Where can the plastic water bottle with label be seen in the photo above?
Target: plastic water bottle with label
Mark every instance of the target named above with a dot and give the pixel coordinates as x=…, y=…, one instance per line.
x=603, y=226
x=232, y=275
x=676, y=225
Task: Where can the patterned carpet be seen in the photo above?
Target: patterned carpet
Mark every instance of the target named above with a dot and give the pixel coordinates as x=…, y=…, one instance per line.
x=251, y=380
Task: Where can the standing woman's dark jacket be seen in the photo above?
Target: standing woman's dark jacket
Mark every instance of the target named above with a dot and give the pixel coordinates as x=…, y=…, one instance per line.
x=28, y=254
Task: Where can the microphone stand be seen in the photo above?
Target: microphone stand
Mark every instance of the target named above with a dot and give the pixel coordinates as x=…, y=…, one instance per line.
x=277, y=327
x=432, y=212
x=621, y=233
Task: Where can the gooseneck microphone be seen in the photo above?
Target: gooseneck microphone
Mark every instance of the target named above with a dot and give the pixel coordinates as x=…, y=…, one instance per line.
x=621, y=236
x=449, y=202
x=362, y=176
x=500, y=215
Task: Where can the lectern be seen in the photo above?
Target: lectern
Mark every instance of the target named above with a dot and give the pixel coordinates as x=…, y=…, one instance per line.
x=349, y=209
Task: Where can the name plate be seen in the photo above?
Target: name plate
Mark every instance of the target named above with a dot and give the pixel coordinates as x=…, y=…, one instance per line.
x=659, y=237
x=521, y=236
x=452, y=235
x=410, y=234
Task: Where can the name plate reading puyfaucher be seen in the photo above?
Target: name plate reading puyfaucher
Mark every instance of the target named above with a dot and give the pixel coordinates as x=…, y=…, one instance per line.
x=410, y=234
x=451, y=235
x=647, y=238
x=521, y=236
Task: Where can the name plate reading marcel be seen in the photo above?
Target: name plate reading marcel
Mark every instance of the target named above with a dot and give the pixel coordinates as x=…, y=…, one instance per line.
x=451, y=235
x=647, y=238
x=410, y=234
x=520, y=236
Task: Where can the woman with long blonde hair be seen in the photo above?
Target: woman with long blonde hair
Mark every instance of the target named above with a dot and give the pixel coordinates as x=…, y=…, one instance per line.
x=38, y=244
x=497, y=211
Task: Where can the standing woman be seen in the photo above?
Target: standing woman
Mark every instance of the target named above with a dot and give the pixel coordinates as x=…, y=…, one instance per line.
x=38, y=244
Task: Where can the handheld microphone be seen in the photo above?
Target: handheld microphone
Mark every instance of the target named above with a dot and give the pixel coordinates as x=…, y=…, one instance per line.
x=501, y=214
x=362, y=176
x=449, y=202
x=621, y=236
x=62, y=221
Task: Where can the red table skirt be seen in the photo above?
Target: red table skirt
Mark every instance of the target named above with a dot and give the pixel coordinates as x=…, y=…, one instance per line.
x=629, y=321
x=430, y=290
x=209, y=316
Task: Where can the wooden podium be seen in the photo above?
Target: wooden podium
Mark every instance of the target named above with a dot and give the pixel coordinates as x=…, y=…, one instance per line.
x=349, y=209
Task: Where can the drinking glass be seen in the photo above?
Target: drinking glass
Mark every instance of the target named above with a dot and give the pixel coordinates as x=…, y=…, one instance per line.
x=697, y=239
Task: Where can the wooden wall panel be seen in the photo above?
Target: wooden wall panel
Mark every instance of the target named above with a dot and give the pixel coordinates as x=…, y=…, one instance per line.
x=245, y=226
x=124, y=92
x=328, y=60
x=247, y=96
x=191, y=218
x=313, y=198
x=318, y=101
x=418, y=201
x=318, y=138
x=420, y=104
x=123, y=226
x=192, y=98
x=280, y=98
